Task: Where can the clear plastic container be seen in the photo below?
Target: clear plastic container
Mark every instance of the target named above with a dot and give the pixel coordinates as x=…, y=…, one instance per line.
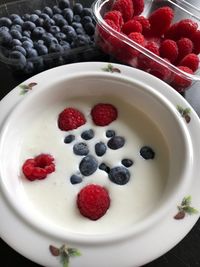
x=37, y=64
x=121, y=47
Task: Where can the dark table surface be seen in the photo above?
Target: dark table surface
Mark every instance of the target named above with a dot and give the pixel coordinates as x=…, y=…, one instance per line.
x=185, y=254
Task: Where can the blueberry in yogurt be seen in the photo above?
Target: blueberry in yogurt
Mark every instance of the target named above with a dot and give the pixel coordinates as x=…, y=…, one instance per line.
x=80, y=149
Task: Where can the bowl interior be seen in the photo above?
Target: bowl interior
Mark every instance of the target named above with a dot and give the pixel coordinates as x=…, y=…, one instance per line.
x=143, y=114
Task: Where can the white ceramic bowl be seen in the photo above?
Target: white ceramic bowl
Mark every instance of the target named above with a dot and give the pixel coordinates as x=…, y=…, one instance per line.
x=107, y=85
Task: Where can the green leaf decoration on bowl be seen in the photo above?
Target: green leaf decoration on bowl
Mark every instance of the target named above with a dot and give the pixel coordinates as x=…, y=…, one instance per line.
x=185, y=113
x=111, y=68
x=65, y=253
x=185, y=208
x=25, y=88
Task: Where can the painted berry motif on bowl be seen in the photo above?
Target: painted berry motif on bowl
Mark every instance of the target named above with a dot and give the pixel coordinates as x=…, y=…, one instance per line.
x=185, y=113
x=25, y=88
x=185, y=208
x=65, y=253
x=111, y=68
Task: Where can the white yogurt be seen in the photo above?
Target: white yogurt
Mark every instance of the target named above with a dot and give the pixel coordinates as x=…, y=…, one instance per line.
x=55, y=197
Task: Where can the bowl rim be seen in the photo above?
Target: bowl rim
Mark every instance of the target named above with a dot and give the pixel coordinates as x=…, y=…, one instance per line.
x=136, y=228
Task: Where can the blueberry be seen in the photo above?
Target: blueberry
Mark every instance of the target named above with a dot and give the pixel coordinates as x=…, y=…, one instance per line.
x=27, y=44
x=86, y=12
x=119, y=175
x=49, y=39
x=56, y=10
x=48, y=23
x=56, y=17
x=16, y=34
x=59, y=20
x=71, y=36
x=55, y=48
x=47, y=10
x=88, y=134
x=80, y=149
x=81, y=40
x=100, y=149
x=88, y=165
x=60, y=36
x=63, y=4
x=80, y=31
x=65, y=45
x=37, y=12
x=31, y=52
x=26, y=34
x=16, y=42
x=110, y=133
x=5, y=38
x=86, y=19
x=127, y=162
x=29, y=68
x=77, y=8
x=39, y=22
x=75, y=179
x=104, y=167
x=89, y=28
x=34, y=17
x=38, y=42
x=19, y=57
x=147, y=152
x=69, y=138
x=14, y=16
x=76, y=25
x=24, y=38
x=77, y=18
x=38, y=32
x=67, y=28
x=54, y=29
x=28, y=26
x=44, y=16
x=18, y=21
x=4, y=29
x=41, y=49
x=26, y=17
x=5, y=22
x=116, y=142
x=19, y=49
x=68, y=15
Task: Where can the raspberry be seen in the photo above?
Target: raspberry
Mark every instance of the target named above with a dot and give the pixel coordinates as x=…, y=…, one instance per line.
x=185, y=47
x=70, y=119
x=169, y=50
x=144, y=22
x=125, y=7
x=160, y=71
x=115, y=16
x=160, y=20
x=138, y=6
x=196, y=42
x=93, y=201
x=191, y=61
x=186, y=28
x=171, y=33
x=132, y=26
x=139, y=39
x=153, y=47
x=103, y=114
x=179, y=82
x=104, y=33
x=39, y=167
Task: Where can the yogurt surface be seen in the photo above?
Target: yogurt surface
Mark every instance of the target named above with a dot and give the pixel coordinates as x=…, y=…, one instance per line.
x=54, y=198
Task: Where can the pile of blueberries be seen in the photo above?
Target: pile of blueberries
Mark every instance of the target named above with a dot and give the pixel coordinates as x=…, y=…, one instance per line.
x=88, y=165
x=30, y=38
